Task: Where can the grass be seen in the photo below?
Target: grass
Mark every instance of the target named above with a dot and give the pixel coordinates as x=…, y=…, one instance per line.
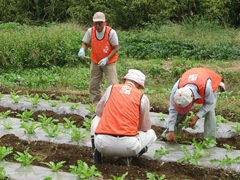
x=161, y=73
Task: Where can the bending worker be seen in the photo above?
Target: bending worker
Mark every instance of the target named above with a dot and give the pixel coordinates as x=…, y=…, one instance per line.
x=122, y=123
x=196, y=85
x=104, y=43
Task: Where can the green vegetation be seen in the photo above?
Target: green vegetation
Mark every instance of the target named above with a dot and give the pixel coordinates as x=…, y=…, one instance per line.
x=83, y=171
x=46, y=121
x=5, y=114
x=5, y=151
x=3, y=175
x=52, y=165
x=226, y=162
x=25, y=116
x=52, y=130
x=76, y=133
x=30, y=128
x=25, y=158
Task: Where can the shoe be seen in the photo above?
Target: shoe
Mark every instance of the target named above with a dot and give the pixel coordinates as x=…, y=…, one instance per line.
x=97, y=157
x=127, y=160
x=142, y=151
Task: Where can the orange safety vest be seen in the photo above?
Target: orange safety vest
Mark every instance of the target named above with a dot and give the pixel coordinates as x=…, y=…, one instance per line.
x=199, y=77
x=121, y=112
x=101, y=48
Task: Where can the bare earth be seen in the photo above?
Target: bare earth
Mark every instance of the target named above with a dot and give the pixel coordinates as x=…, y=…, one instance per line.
x=112, y=165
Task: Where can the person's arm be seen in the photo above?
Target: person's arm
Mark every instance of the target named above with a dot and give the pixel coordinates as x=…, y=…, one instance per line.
x=102, y=102
x=208, y=100
x=144, y=123
x=86, y=42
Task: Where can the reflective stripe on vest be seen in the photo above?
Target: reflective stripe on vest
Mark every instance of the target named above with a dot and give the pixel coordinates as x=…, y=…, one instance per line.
x=199, y=77
x=121, y=112
x=101, y=48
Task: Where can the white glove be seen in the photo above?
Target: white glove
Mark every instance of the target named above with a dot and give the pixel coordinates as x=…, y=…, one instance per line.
x=81, y=53
x=103, y=62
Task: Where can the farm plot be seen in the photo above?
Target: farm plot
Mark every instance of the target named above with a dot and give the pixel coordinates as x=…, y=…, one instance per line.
x=51, y=149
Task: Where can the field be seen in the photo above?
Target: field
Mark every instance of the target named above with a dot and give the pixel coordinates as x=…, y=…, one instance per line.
x=162, y=53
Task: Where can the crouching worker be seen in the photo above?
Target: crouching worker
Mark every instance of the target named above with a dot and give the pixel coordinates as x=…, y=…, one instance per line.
x=122, y=123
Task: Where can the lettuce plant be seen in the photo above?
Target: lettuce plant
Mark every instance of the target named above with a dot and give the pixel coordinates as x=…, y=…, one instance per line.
x=83, y=171
x=8, y=124
x=25, y=158
x=162, y=116
x=35, y=100
x=30, y=128
x=230, y=148
x=119, y=178
x=5, y=151
x=67, y=123
x=76, y=134
x=52, y=165
x=63, y=98
x=225, y=162
x=87, y=123
x=91, y=108
x=16, y=98
x=53, y=103
x=43, y=118
x=52, y=131
x=26, y=115
x=162, y=151
x=3, y=175
x=45, y=96
x=154, y=176
x=5, y=114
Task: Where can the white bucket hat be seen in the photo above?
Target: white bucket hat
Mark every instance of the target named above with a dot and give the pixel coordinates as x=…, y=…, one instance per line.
x=136, y=76
x=183, y=99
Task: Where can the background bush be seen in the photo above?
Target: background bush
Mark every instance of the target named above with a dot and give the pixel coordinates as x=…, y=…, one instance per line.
x=120, y=13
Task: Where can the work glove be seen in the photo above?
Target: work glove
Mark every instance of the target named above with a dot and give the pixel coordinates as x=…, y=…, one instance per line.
x=103, y=62
x=81, y=53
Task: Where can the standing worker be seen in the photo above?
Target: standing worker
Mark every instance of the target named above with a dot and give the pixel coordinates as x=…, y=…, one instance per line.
x=122, y=123
x=196, y=85
x=104, y=43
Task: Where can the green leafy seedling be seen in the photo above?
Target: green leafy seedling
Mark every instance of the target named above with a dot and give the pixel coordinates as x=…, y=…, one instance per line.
x=5, y=114
x=8, y=124
x=87, y=123
x=45, y=96
x=30, y=128
x=237, y=128
x=220, y=119
x=63, y=98
x=154, y=176
x=228, y=147
x=16, y=98
x=3, y=175
x=162, y=151
x=35, y=100
x=53, y=103
x=25, y=116
x=25, y=158
x=91, y=108
x=54, y=167
x=207, y=143
x=43, y=118
x=5, y=151
x=74, y=106
x=83, y=171
x=119, y=178
x=28, y=95
x=162, y=116
x=52, y=131
x=76, y=134
x=67, y=123
x=15, y=93
x=225, y=162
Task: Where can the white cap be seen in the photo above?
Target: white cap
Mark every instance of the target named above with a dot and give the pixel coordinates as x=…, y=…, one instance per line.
x=136, y=76
x=99, y=16
x=183, y=98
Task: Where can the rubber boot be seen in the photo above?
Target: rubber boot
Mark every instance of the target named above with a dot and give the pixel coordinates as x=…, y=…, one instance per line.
x=127, y=160
x=97, y=156
x=142, y=151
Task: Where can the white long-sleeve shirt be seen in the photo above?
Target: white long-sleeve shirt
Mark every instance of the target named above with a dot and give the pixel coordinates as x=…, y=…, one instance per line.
x=206, y=107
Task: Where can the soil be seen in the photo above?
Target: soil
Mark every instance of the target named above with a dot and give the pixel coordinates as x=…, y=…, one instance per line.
x=112, y=165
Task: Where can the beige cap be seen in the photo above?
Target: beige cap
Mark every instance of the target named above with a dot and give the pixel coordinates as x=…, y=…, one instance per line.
x=136, y=76
x=183, y=99
x=99, y=16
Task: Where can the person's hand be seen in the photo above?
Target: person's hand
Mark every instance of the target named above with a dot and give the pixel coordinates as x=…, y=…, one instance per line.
x=193, y=120
x=170, y=137
x=81, y=52
x=103, y=62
